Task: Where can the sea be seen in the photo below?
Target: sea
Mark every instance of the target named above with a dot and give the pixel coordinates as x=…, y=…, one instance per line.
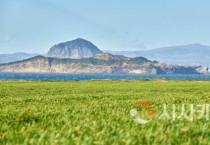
x=64, y=76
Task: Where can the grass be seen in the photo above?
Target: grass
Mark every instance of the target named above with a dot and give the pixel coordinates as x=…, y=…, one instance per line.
x=97, y=112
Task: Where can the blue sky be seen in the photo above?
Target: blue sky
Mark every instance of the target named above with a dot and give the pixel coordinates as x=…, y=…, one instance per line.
x=35, y=25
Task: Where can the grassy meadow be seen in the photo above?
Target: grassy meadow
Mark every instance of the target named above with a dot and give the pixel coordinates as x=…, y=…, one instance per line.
x=98, y=112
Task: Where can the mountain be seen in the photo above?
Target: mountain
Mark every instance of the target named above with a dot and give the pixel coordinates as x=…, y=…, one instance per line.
x=75, y=49
x=101, y=63
x=109, y=56
x=5, y=58
x=194, y=54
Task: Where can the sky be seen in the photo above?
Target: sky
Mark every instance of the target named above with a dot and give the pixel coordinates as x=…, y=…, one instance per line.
x=33, y=26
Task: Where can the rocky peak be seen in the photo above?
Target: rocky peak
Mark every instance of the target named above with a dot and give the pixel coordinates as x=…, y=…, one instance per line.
x=75, y=49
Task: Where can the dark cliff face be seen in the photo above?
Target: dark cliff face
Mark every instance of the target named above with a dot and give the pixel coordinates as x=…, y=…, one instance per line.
x=74, y=49
x=102, y=63
x=35, y=64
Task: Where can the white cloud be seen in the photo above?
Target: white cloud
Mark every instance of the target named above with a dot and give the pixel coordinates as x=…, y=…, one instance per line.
x=6, y=38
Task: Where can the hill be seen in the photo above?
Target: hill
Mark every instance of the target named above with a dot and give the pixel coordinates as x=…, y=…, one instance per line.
x=76, y=49
x=5, y=58
x=194, y=54
x=101, y=63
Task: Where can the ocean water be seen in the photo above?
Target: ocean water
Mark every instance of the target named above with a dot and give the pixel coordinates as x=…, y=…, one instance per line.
x=62, y=76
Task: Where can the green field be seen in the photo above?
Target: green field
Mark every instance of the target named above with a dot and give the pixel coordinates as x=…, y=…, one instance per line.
x=98, y=112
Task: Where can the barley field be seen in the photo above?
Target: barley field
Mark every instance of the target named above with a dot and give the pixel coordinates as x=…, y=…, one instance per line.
x=98, y=112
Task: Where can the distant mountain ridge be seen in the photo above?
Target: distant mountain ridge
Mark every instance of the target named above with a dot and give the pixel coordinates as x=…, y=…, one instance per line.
x=75, y=49
x=101, y=63
x=184, y=55
x=5, y=58
x=193, y=54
